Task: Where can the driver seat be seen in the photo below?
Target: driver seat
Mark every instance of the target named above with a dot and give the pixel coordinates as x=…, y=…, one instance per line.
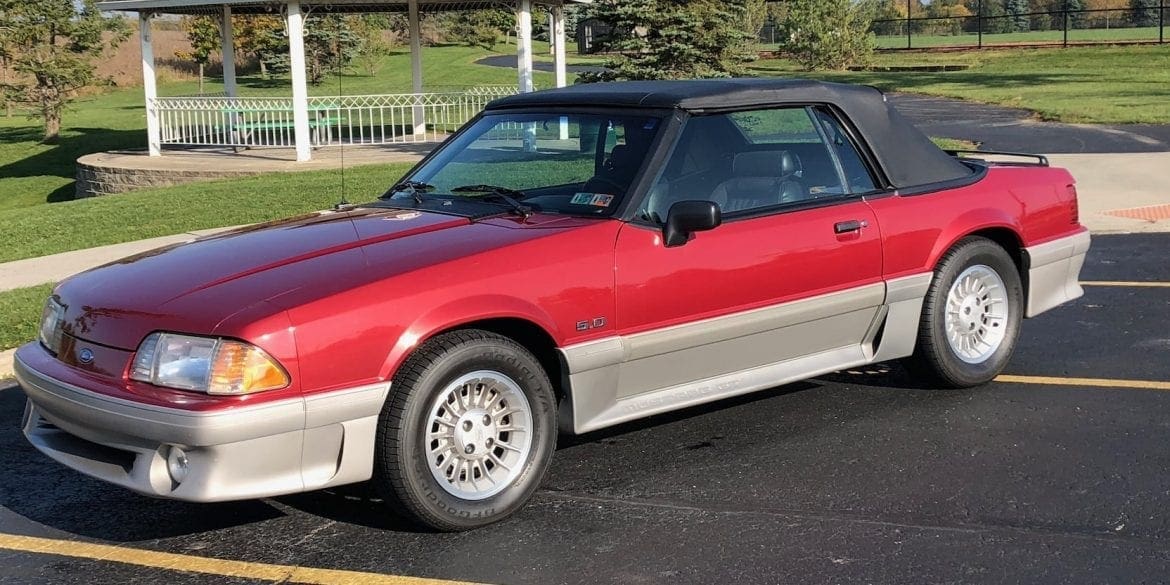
x=760, y=179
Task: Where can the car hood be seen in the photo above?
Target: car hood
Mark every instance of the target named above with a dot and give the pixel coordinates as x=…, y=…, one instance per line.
x=264, y=269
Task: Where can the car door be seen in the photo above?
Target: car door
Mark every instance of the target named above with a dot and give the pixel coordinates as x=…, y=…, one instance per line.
x=790, y=284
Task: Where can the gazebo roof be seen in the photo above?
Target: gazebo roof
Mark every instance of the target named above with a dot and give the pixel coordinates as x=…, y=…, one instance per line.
x=319, y=6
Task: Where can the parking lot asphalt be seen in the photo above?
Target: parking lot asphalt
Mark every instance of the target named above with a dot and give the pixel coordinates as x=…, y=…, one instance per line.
x=1016, y=130
x=859, y=476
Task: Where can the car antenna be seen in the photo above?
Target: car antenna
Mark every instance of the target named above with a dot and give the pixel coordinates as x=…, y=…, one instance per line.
x=341, y=142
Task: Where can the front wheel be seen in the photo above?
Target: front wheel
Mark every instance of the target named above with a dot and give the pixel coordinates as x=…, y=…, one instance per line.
x=467, y=433
x=970, y=316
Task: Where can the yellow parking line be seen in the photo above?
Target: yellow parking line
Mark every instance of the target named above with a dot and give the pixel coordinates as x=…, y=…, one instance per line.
x=1122, y=283
x=220, y=567
x=1090, y=382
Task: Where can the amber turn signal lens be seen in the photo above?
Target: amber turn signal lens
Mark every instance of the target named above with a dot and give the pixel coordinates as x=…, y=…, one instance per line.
x=239, y=368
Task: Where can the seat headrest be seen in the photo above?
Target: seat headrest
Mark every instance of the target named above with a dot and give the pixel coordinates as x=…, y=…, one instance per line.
x=765, y=163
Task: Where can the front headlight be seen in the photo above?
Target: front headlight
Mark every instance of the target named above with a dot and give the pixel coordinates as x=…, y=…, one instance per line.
x=52, y=318
x=206, y=364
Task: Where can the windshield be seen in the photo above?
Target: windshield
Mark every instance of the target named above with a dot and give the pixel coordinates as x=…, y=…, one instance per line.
x=581, y=164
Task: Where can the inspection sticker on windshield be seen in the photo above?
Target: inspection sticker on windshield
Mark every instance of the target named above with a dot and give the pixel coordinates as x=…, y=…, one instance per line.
x=594, y=199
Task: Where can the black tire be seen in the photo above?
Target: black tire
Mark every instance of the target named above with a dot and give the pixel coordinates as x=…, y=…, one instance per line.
x=934, y=360
x=402, y=473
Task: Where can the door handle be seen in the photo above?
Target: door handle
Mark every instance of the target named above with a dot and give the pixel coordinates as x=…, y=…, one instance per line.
x=853, y=225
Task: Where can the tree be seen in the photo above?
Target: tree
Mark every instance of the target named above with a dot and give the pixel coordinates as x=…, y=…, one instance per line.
x=204, y=35
x=672, y=39
x=55, y=43
x=1017, y=11
x=1143, y=12
x=330, y=45
x=478, y=28
x=828, y=34
x=755, y=17
x=261, y=37
x=373, y=47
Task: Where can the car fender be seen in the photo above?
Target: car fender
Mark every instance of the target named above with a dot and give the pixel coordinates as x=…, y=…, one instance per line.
x=968, y=223
x=464, y=311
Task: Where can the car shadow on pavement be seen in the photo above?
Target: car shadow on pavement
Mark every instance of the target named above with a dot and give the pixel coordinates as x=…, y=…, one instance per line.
x=45, y=492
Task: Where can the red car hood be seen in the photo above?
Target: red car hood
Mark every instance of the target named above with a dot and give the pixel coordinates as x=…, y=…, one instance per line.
x=195, y=287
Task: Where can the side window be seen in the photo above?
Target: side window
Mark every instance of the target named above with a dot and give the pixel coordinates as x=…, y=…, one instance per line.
x=856, y=173
x=746, y=161
x=785, y=126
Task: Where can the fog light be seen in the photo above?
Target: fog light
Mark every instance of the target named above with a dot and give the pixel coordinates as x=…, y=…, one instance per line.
x=177, y=464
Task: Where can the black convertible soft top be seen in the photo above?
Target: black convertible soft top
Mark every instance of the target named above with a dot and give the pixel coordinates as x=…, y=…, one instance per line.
x=907, y=156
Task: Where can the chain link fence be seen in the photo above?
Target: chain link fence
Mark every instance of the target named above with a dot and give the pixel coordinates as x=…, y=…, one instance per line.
x=992, y=25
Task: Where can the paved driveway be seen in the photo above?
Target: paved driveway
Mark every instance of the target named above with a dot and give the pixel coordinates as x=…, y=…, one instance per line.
x=1055, y=475
x=1014, y=130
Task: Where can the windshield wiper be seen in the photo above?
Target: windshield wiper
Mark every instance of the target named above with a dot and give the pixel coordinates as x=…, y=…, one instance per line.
x=508, y=196
x=414, y=188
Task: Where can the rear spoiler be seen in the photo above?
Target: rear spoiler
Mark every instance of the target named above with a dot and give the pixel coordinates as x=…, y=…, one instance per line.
x=1040, y=160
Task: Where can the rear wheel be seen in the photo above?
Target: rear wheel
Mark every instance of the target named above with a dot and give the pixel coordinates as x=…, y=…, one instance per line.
x=467, y=433
x=970, y=317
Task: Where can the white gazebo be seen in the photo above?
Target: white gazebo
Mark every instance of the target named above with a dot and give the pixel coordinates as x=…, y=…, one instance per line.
x=229, y=120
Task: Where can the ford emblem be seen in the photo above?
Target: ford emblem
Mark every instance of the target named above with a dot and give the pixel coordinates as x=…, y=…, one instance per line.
x=85, y=356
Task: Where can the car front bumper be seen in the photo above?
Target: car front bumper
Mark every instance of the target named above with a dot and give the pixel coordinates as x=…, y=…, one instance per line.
x=252, y=451
x=1054, y=271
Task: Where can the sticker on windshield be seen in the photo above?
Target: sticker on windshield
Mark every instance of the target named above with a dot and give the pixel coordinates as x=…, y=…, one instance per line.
x=594, y=199
x=601, y=200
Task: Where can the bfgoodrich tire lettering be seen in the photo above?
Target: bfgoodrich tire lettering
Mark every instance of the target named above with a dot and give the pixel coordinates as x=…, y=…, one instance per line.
x=970, y=316
x=449, y=370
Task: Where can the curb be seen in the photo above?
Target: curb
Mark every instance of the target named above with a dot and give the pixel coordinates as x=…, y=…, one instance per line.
x=6, y=373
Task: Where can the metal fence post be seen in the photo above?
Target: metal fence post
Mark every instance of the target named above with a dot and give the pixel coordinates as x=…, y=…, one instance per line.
x=979, y=23
x=1161, y=21
x=908, y=43
x=1064, y=8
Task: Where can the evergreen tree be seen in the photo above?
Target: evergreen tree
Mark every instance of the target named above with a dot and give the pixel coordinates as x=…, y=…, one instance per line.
x=1017, y=11
x=330, y=45
x=1143, y=12
x=672, y=39
x=828, y=34
x=52, y=47
x=260, y=36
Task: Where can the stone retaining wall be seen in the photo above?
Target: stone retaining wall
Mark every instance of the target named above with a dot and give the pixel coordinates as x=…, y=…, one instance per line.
x=94, y=180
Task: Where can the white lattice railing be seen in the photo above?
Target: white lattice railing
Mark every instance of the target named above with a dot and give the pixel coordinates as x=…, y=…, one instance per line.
x=350, y=120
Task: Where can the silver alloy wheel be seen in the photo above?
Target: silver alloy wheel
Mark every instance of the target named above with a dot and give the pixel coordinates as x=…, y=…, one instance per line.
x=976, y=317
x=478, y=435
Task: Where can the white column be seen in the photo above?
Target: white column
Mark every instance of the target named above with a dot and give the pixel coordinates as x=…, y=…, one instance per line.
x=524, y=44
x=300, y=87
x=552, y=26
x=557, y=35
x=228, y=51
x=149, y=86
x=419, y=115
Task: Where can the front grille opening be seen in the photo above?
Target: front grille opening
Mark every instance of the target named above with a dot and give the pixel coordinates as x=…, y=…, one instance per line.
x=59, y=440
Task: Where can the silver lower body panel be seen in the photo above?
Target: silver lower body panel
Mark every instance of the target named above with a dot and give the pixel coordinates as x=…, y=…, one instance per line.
x=1054, y=271
x=248, y=452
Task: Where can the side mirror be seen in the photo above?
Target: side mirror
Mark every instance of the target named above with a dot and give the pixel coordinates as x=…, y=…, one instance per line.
x=688, y=217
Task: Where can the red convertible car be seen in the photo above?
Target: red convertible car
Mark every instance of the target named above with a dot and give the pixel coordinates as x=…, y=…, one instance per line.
x=569, y=260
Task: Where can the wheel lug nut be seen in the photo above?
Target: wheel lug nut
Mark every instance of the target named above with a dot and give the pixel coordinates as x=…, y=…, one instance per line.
x=489, y=442
x=487, y=420
x=467, y=425
x=469, y=449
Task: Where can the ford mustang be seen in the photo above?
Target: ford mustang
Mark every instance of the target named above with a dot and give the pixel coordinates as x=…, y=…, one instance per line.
x=569, y=260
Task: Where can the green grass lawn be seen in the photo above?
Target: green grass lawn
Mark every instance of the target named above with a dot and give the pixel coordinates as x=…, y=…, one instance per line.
x=1017, y=38
x=32, y=174
x=73, y=225
x=1099, y=85
x=20, y=314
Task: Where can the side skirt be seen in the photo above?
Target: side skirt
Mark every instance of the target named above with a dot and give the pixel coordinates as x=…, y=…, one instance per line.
x=596, y=393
